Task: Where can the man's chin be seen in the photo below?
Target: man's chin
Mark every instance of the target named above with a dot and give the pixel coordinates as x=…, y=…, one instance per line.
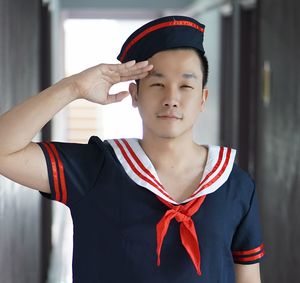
x=169, y=135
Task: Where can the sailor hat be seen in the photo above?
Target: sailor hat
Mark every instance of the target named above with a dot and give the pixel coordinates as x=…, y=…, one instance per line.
x=163, y=34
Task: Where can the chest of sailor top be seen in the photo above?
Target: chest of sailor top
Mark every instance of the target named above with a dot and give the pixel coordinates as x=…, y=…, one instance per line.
x=128, y=229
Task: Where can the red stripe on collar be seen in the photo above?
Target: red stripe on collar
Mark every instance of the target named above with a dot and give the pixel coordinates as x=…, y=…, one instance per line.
x=140, y=169
x=141, y=165
x=136, y=171
x=214, y=170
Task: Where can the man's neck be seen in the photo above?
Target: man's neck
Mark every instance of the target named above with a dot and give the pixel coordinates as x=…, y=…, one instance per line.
x=170, y=152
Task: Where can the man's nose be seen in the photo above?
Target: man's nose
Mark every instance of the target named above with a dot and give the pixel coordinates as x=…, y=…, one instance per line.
x=171, y=97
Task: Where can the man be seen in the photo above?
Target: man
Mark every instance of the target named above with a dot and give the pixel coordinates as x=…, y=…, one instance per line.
x=159, y=209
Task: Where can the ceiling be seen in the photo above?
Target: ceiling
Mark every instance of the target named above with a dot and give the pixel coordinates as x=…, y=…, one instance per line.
x=126, y=4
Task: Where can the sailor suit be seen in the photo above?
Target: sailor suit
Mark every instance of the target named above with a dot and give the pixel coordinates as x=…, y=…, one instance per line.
x=127, y=228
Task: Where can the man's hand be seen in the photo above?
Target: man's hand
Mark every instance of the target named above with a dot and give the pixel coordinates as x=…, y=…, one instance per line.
x=94, y=83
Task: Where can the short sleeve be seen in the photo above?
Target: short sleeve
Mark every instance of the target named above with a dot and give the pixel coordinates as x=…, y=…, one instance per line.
x=247, y=245
x=72, y=169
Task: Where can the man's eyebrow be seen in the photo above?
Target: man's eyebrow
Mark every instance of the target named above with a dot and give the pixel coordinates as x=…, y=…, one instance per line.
x=189, y=76
x=184, y=75
x=155, y=74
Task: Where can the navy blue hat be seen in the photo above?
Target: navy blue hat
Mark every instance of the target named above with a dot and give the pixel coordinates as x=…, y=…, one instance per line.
x=162, y=34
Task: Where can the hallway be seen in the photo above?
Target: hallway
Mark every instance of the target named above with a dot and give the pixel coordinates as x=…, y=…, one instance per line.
x=253, y=106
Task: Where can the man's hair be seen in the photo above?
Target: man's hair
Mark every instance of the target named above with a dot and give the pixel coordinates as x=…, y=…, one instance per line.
x=203, y=60
x=204, y=68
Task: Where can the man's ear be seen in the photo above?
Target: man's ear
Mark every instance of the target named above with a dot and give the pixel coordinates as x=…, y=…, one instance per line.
x=133, y=90
x=204, y=98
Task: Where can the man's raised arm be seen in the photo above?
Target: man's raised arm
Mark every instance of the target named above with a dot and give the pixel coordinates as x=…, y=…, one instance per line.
x=22, y=160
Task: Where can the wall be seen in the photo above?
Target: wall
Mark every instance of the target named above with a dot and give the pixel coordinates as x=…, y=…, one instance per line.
x=278, y=167
x=207, y=128
x=19, y=78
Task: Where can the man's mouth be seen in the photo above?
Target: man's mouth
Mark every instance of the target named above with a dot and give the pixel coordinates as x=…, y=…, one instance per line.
x=170, y=115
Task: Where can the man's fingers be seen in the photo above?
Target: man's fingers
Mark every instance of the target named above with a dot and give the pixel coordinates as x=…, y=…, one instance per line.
x=136, y=74
x=129, y=63
x=112, y=98
x=134, y=77
x=131, y=67
x=115, y=73
x=140, y=67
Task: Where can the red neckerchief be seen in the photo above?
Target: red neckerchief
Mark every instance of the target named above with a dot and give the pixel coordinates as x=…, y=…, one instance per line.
x=183, y=214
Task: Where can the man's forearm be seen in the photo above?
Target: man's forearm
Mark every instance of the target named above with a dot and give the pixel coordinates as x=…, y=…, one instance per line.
x=247, y=273
x=19, y=125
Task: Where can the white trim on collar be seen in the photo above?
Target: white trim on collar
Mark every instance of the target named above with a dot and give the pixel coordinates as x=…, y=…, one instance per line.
x=140, y=169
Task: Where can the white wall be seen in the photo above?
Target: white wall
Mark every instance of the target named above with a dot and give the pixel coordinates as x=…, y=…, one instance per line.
x=207, y=129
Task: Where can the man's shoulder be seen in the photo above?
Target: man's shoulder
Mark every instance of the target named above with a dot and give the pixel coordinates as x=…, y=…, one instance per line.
x=241, y=180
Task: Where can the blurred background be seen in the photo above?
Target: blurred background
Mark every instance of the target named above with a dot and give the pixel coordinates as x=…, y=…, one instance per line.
x=253, y=48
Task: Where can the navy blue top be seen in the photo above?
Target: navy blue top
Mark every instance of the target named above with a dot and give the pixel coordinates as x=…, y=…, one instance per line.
x=115, y=221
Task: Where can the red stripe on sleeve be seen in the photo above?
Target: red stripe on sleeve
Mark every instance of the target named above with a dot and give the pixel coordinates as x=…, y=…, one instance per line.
x=54, y=171
x=250, y=258
x=249, y=255
x=61, y=173
x=248, y=252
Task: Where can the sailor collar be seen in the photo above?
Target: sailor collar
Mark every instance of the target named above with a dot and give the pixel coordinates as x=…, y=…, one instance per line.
x=140, y=169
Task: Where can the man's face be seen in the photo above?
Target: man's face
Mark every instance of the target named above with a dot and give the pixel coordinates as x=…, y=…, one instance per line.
x=170, y=98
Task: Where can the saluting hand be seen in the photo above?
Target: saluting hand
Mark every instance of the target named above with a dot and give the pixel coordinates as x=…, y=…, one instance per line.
x=94, y=83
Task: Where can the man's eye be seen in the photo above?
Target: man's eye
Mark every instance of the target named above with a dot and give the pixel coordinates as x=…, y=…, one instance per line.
x=157, y=84
x=187, y=86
